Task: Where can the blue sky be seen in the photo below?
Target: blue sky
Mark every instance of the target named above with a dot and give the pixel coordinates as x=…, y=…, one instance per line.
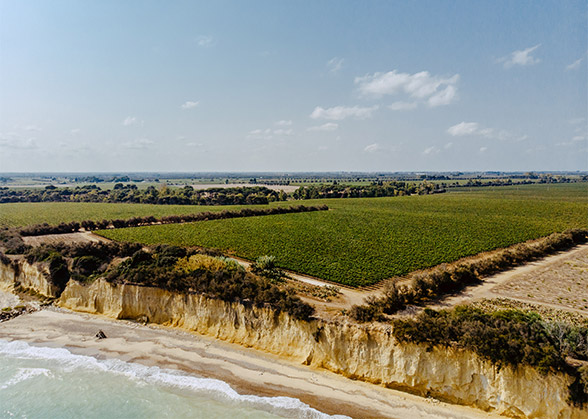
x=293, y=86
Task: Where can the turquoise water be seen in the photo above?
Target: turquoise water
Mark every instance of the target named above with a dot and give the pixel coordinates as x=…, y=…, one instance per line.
x=40, y=382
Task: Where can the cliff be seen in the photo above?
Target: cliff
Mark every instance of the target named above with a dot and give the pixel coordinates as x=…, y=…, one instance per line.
x=27, y=277
x=368, y=353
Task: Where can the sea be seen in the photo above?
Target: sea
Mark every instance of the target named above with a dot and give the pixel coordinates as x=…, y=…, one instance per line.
x=44, y=382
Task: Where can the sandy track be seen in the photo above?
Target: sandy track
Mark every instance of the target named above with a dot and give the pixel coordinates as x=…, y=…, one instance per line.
x=81, y=237
x=559, y=281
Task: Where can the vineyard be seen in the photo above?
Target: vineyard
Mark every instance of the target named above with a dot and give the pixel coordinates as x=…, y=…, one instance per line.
x=25, y=214
x=361, y=241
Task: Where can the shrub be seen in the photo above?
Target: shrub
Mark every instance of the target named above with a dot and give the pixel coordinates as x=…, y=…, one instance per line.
x=504, y=337
x=265, y=266
x=366, y=313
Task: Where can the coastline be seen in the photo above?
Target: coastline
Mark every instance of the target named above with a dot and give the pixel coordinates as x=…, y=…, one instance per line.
x=248, y=371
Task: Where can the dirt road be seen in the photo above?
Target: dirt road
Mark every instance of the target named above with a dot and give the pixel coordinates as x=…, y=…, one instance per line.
x=559, y=281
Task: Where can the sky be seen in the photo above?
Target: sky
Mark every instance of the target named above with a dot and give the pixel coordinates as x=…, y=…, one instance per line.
x=195, y=86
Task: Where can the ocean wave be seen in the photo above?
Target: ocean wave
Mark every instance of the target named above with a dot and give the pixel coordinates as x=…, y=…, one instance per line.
x=24, y=374
x=208, y=387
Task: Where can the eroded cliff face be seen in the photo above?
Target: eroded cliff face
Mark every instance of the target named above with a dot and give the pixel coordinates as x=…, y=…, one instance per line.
x=368, y=353
x=29, y=278
x=7, y=277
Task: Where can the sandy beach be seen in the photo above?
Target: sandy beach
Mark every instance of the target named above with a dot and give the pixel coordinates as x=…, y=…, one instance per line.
x=248, y=371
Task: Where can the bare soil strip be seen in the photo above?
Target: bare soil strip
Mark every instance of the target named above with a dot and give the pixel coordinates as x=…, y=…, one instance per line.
x=81, y=237
x=559, y=281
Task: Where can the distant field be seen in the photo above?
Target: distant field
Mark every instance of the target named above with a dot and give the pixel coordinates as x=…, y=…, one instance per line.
x=21, y=214
x=361, y=241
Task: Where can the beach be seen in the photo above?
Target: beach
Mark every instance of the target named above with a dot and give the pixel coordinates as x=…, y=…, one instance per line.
x=247, y=371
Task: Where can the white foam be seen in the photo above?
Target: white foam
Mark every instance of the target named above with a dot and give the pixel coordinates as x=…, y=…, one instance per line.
x=212, y=388
x=24, y=374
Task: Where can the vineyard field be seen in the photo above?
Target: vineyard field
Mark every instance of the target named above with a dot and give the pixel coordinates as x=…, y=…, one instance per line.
x=362, y=241
x=29, y=213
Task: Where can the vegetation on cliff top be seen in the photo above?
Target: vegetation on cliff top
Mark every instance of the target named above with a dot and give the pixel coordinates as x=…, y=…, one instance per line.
x=505, y=337
x=171, y=268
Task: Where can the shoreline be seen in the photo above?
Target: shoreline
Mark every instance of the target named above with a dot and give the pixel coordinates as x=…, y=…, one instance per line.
x=246, y=370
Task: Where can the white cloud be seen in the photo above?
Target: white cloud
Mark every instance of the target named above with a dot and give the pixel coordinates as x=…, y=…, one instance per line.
x=32, y=128
x=194, y=144
x=402, y=106
x=448, y=146
x=205, y=41
x=269, y=133
x=444, y=97
x=339, y=113
x=335, y=64
x=131, y=120
x=329, y=126
x=521, y=57
x=16, y=144
x=372, y=148
x=483, y=149
x=189, y=104
x=431, y=150
x=141, y=143
x=463, y=128
x=575, y=65
x=433, y=90
x=75, y=131
x=284, y=123
x=473, y=129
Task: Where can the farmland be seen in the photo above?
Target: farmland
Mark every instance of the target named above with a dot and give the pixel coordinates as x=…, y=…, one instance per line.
x=23, y=214
x=361, y=241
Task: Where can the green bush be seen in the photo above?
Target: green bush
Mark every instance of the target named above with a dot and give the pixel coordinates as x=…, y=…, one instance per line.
x=504, y=337
x=265, y=266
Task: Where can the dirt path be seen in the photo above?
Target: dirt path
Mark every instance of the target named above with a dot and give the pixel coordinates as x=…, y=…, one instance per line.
x=81, y=237
x=347, y=298
x=559, y=281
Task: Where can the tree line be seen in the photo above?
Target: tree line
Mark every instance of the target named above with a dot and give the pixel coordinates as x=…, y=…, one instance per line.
x=375, y=189
x=255, y=195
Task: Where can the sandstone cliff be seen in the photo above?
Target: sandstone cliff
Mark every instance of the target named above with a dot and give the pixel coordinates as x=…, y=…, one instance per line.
x=28, y=277
x=367, y=353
